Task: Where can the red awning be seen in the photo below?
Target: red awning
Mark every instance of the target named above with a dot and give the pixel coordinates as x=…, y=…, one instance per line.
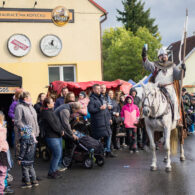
x=77, y=87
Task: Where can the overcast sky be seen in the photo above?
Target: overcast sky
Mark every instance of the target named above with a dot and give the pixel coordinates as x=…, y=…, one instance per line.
x=169, y=14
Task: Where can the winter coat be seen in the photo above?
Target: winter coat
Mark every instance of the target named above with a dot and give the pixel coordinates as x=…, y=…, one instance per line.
x=27, y=151
x=59, y=102
x=51, y=124
x=37, y=107
x=100, y=119
x=63, y=113
x=129, y=108
x=84, y=103
x=11, y=112
x=115, y=109
x=3, y=139
x=25, y=115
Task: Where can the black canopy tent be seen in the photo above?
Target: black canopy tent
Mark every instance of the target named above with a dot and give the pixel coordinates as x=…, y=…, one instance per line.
x=7, y=79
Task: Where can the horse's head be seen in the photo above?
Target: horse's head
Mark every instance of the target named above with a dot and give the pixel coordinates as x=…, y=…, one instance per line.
x=150, y=99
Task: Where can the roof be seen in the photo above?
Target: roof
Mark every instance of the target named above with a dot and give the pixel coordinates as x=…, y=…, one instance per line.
x=7, y=79
x=98, y=6
x=77, y=87
x=174, y=47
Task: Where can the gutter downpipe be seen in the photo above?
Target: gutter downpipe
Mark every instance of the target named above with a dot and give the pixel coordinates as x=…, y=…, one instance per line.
x=102, y=64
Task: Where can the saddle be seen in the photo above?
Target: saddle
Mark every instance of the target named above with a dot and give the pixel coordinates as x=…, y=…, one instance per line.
x=168, y=97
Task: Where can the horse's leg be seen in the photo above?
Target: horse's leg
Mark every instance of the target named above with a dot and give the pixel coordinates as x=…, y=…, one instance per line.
x=165, y=159
x=153, y=166
x=167, y=148
x=182, y=156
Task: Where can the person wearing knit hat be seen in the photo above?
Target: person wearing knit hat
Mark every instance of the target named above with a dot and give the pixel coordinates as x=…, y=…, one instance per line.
x=83, y=94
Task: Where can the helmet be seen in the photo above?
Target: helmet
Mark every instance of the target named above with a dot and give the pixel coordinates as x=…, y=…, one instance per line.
x=162, y=51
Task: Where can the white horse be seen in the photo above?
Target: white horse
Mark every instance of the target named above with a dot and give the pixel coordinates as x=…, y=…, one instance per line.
x=158, y=117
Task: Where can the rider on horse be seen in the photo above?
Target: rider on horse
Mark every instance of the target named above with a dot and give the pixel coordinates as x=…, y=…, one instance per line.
x=164, y=73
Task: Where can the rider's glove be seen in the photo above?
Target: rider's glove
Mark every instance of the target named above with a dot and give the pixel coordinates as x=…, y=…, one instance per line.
x=183, y=66
x=144, y=54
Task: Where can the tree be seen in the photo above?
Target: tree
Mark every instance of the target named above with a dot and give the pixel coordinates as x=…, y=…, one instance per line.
x=134, y=16
x=122, y=53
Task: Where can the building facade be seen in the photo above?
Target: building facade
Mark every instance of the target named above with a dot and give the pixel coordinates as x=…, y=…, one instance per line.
x=77, y=44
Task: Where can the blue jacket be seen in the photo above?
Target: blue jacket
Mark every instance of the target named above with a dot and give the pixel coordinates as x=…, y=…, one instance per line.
x=59, y=102
x=100, y=119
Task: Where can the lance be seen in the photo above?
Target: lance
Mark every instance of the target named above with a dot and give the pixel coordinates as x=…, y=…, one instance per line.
x=183, y=43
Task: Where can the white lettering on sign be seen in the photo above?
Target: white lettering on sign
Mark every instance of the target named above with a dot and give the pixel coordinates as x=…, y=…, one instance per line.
x=7, y=89
x=4, y=89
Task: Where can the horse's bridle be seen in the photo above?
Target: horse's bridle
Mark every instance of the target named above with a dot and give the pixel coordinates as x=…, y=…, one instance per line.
x=150, y=105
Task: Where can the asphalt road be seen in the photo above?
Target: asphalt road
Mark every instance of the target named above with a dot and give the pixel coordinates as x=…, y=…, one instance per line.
x=128, y=174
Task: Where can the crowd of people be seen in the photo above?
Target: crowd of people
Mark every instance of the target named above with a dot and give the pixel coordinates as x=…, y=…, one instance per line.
x=189, y=108
x=111, y=115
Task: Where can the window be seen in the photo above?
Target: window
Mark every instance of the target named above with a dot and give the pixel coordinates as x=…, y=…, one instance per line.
x=62, y=73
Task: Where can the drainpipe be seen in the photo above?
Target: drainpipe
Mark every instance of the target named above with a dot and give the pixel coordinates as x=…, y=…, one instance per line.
x=102, y=65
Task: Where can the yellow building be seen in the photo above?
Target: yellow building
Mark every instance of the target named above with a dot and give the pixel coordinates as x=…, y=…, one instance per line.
x=26, y=24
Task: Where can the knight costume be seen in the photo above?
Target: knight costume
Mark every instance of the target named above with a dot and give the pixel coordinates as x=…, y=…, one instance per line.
x=164, y=73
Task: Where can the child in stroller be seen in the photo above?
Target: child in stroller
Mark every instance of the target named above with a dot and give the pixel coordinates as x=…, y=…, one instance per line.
x=86, y=150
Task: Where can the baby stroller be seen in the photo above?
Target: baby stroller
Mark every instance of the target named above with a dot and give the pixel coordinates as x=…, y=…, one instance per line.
x=86, y=150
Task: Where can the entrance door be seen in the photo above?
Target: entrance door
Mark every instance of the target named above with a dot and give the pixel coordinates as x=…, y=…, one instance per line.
x=5, y=102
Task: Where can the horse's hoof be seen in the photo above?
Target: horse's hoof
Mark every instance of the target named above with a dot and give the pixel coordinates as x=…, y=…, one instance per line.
x=182, y=158
x=168, y=169
x=153, y=168
x=165, y=160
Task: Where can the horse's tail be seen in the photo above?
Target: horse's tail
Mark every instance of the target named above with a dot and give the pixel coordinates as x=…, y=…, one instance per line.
x=174, y=141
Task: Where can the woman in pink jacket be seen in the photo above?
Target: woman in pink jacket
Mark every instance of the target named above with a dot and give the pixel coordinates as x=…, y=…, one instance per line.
x=130, y=114
x=3, y=153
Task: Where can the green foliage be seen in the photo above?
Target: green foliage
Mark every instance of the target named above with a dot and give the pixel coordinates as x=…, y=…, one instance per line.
x=134, y=16
x=122, y=53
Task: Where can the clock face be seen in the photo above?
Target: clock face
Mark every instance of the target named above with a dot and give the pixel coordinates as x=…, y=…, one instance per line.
x=19, y=45
x=51, y=45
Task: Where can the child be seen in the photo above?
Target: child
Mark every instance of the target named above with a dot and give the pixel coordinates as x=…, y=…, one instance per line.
x=27, y=131
x=3, y=153
x=26, y=157
x=130, y=114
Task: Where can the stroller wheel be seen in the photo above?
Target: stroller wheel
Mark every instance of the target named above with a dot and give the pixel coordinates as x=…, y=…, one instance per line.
x=66, y=161
x=88, y=163
x=100, y=161
x=46, y=155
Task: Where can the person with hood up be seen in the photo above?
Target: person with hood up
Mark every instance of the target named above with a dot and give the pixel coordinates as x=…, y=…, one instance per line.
x=84, y=101
x=136, y=99
x=130, y=114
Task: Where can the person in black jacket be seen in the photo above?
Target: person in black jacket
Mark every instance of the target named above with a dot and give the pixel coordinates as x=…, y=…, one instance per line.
x=116, y=119
x=53, y=135
x=39, y=103
x=100, y=118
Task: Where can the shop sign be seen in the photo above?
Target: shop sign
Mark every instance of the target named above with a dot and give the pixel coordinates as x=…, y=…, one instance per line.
x=19, y=45
x=58, y=15
x=51, y=45
x=8, y=90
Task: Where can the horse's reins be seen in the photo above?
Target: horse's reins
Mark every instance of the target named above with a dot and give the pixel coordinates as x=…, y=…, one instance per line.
x=158, y=117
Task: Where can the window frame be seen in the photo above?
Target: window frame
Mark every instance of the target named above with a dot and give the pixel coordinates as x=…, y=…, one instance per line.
x=61, y=72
